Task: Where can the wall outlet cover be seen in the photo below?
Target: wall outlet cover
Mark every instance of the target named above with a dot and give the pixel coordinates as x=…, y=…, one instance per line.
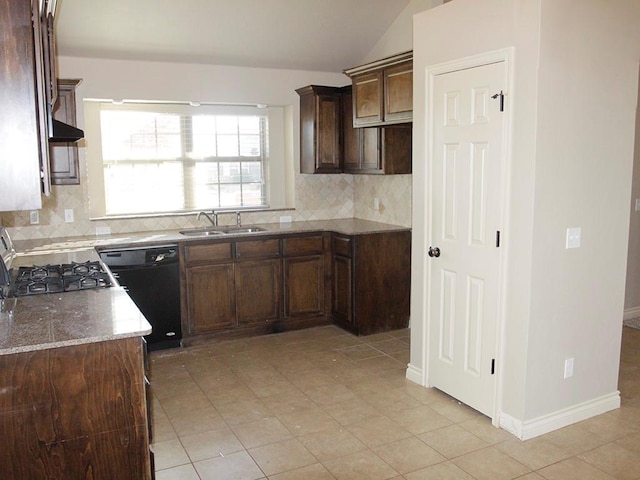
x=68, y=215
x=285, y=219
x=34, y=217
x=574, y=237
x=103, y=230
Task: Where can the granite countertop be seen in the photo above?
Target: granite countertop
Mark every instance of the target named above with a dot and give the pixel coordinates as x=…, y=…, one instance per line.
x=38, y=322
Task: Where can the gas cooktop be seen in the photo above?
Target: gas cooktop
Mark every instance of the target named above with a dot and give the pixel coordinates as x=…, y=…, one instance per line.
x=58, y=278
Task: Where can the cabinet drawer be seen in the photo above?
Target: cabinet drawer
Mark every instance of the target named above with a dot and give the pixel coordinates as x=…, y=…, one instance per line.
x=299, y=246
x=258, y=248
x=341, y=246
x=208, y=252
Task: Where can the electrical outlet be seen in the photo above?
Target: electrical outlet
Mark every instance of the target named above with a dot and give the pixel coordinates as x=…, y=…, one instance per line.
x=34, y=217
x=103, y=230
x=574, y=236
x=285, y=219
x=568, y=367
x=637, y=204
x=68, y=215
x=376, y=204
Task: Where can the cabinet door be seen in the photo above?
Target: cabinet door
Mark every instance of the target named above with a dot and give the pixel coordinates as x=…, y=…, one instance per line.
x=371, y=154
x=351, y=137
x=367, y=99
x=64, y=156
x=398, y=93
x=258, y=290
x=320, y=123
x=304, y=286
x=210, y=297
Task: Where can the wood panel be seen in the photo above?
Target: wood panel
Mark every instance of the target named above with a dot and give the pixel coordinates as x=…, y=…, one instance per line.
x=304, y=285
x=210, y=297
x=258, y=290
x=75, y=412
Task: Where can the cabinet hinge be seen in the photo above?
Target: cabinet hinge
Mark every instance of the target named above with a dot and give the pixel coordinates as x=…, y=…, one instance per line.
x=498, y=239
x=501, y=96
x=493, y=366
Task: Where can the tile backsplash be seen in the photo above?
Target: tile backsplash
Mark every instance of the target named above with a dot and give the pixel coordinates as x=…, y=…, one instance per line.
x=318, y=197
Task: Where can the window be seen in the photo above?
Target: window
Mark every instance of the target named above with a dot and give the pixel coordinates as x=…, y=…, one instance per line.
x=163, y=158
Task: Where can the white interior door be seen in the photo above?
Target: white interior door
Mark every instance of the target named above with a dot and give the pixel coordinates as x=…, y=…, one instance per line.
x=466, y=213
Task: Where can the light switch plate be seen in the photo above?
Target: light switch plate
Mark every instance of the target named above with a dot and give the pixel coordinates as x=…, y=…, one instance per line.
x=68, y=215
x=574, y=237
x=34, y=217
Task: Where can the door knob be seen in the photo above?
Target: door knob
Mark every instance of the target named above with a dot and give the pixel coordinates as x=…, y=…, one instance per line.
x=434, y=252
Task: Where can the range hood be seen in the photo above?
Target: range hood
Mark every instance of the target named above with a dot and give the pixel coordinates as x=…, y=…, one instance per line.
x=64, y=133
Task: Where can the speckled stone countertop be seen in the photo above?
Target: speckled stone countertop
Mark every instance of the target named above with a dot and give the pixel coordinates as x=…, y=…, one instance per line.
x=38, y=322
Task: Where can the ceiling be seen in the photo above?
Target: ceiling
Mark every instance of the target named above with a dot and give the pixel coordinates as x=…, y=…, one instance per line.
x=318, y=35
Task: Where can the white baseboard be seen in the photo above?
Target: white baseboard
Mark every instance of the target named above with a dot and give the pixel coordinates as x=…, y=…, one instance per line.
x=561, y=418
x=414, y=374
x=631, y=313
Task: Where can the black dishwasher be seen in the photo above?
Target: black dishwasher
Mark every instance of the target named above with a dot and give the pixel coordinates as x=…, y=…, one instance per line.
x=151, y=277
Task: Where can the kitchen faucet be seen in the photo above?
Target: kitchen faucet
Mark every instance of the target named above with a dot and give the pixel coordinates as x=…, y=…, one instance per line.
x=213, y=218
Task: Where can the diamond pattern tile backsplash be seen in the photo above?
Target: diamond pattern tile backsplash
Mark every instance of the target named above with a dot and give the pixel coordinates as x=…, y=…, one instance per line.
x=318, y=197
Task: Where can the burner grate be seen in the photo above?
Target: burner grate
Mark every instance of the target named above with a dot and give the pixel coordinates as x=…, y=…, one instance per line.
x=60, y=278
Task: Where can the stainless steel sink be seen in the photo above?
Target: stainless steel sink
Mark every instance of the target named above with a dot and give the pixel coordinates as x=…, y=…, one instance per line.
x=234, y=229
x=201, y=232
x=212, y=231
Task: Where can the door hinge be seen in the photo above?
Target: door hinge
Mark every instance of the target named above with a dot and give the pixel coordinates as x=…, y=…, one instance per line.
x=498, y=239
x=501, y=96
x=493, y=366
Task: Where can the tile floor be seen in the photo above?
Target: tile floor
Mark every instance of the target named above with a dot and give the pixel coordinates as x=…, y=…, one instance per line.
x=323, y=404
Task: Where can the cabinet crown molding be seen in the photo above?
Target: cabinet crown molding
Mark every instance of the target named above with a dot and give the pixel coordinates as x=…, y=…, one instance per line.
x=378, y=64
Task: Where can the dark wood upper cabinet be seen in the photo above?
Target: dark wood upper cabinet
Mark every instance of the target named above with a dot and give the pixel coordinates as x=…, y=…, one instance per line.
x=320, y=124
x=383, y=91
x=64, y=156
x=374, y=150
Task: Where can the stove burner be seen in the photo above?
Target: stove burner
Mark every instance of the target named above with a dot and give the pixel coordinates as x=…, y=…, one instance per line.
x=60, y=278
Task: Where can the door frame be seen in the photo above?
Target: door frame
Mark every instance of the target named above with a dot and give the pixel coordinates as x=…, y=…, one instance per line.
x=496, y=56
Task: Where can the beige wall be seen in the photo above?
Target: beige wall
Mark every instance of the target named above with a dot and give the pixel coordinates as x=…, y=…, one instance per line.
x=570, y=166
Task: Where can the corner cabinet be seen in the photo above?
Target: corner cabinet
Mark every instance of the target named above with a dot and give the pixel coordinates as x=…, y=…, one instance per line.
x=383, y=91
x=320, y=124
x=371, y=281
x=374, y=150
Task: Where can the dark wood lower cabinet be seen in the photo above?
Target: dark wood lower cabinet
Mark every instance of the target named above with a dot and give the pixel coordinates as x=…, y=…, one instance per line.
x=75, y=412
x=284, y=282
x=372, y=281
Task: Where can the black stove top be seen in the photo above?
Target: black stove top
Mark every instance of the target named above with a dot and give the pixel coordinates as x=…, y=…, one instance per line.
x=59, y=278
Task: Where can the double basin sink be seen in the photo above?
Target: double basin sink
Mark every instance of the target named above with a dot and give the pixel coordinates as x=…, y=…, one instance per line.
x=211, y=231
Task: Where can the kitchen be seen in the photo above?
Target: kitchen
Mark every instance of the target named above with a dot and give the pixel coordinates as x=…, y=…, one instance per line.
x=347, y=196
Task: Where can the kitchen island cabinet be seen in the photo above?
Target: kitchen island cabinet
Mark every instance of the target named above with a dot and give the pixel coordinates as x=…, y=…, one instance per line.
x=75, y=412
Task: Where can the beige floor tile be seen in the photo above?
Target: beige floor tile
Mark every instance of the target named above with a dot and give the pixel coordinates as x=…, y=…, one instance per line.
x=243, y=411
x=211, y=444
x=420, y=419
x=261, y=432
x=288, y=403
x=190, y=422
x=453, y=441
x=390, y=346
x=381, y=364
x=237, y=466
x=282, y=456
x=268, y=388
x=535, y=453
x=332, y=443
x=377, y=337
x=441, y=471
x=329, y=394
x=615, y=460
x=531, y=476
x=183, y=472
x=391, y=400
x=491, y=464
x=312, y=472
x=365, y=465
x=609, y=426
x=408, y=454
x=230, y=393
x=169, y=387
x=378, y=431
x=360, y=352
x=454, y=410
x=482, y=428
x=631, y=443
x=178, y=404
x=350, y=412
x=303, y=422
x=169, y=454
x=574, y=439
x=163, y=430
x=573, y=469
